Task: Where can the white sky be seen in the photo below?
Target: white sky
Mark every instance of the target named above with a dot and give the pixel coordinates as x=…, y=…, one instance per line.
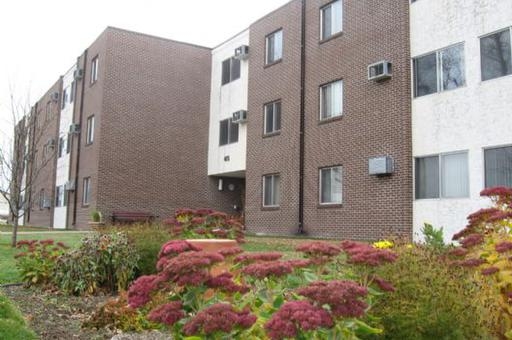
x=40, y=39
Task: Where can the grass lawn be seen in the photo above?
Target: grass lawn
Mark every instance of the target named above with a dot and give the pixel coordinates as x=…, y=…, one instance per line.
x=12, y=324
x=8, y=228
x=8, y=270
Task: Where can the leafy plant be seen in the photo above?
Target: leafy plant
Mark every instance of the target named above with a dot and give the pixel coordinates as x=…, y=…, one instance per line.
x=433, y=237
x=37, y=261
x=205, y=223
x=96, y=216
x=12, y=324
x=103, y=261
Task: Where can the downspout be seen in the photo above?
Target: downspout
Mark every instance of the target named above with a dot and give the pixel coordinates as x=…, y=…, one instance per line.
x=301, y=230
x=79, y=139
x=56, y=151
x=33, y=124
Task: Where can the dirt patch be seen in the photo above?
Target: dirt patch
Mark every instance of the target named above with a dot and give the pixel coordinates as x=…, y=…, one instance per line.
x=56, y=316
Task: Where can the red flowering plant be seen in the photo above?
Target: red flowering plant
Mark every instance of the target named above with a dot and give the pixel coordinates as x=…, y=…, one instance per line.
x=485, y=246
x=37, y=260
x=205, y=224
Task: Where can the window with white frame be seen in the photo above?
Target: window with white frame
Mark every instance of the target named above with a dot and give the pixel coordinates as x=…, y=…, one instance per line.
x=331, y=100
x=442, y=176
x=228, y=133
x=42, y=199
x=94, y=69
x=230, y=70
x=271, y=190
x=89, y=137
x=498, y=167
x=272, y=117
x=86, y=193
x=439, y=71
x=65, y=94
x=331, y=17
x=496, y=54
x=274, y=47
x=60, y=196
x=62, y=143
x=331, y=185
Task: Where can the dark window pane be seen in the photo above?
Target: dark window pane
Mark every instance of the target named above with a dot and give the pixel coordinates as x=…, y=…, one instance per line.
x=233, y=132
x=453, y=67
x=277, y=116
x=425, y=75
x=268, y=191
x=226, y=71
x=427, y=177
x=269, y=118
x=496, y=55
x=224, y=131
x=326, y=25
x=498, y=167
x=325, y=194
x=235, y=69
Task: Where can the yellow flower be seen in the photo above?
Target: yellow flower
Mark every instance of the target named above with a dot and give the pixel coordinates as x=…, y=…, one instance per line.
x=383, y=244
x=409, y=246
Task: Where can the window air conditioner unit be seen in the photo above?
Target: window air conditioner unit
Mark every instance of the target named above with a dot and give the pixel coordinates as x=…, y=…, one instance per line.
x=240, y=116
x=54, y=96
x=380, y=71
x=74, y=129
x=381, y=166
x=242, y=52
x=78, y=74
x=47, y=203
x=70, y=185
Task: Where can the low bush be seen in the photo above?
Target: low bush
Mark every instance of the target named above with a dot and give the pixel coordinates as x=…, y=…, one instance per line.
x=205, y=223
x=37, y=260
x=12, y=324
x=102, y=262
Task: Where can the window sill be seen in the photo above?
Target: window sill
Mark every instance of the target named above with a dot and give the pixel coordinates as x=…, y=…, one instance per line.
x=495, y=79
x=93, y=83
x=441, y=199
x=271, y=134
x=332, y=37
x=270, y=208
x=88, y=144
x=273, y=63
x=329, y=120
x=330, y=206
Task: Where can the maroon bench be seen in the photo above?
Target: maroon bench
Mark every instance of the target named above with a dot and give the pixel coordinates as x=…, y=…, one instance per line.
x=131, y=217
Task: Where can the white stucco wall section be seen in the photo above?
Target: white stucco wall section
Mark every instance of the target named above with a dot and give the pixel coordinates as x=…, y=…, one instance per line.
x=470, y=118
x=224, y=100
x=63, y=163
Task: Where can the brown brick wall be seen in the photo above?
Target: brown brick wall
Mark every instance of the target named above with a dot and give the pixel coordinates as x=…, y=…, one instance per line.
x=376, y=122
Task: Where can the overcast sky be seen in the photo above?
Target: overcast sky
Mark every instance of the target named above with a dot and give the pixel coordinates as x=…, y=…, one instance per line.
x=40, y=39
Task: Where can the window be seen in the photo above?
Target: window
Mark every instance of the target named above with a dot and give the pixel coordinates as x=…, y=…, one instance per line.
x=62, y=143
x=274, y=47
x=439, y=71
x=498, y=167
x=72, y=92
x=89, y=137
x=331, y=17
x=68, y=144
x=442, y=176
x=331, y=100
x=42, y=199
x=65, y=97
x=228, y=132
x=230, y=70
x=94, y=69
x=331, y=185
x=272, y=117
x=60, y=196
x=496, y=55
x=271, y=190
x=86, y=194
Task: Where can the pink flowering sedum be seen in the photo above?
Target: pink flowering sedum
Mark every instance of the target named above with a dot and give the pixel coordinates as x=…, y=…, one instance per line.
x=140, y=291
x=175, y=247
x=225, y=283
x=296, y=317
x=365, y=254
x=383, y=284
x=490, y=271
x=257, y=257
x=262, y=270
x=319, y=251
x=220, y=317
x=472, y=240
x=168, y=314
x=503, y=247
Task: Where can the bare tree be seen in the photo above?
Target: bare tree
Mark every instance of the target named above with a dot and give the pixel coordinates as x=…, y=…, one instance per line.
x=20, y=161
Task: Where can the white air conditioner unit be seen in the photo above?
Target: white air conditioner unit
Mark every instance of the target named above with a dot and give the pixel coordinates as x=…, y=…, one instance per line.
x=240, y=116
x=74, y=129
x=381, y=166
x=380, y=71
x=242, y=52
x=70, y=185
x=47, y=203
x=54, y=96
x=78, y=74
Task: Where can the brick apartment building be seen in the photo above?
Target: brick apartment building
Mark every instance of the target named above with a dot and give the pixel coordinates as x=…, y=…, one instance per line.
x=306, y=121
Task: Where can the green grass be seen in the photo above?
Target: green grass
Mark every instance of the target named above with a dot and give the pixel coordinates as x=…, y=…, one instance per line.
x=8, y=271
x=8, y=228
x=12, y=324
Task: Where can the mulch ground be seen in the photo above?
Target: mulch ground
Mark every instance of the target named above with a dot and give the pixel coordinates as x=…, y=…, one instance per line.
x=56, y=316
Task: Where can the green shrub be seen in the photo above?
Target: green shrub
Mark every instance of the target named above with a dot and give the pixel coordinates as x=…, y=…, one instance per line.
x=37, y=261
x=146, y=239
x=103, y=261
x=432, y=300
x=12, y=324
x=433, y=237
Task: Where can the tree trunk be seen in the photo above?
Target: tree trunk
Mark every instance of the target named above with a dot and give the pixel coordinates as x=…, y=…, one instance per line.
x=14, y=232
